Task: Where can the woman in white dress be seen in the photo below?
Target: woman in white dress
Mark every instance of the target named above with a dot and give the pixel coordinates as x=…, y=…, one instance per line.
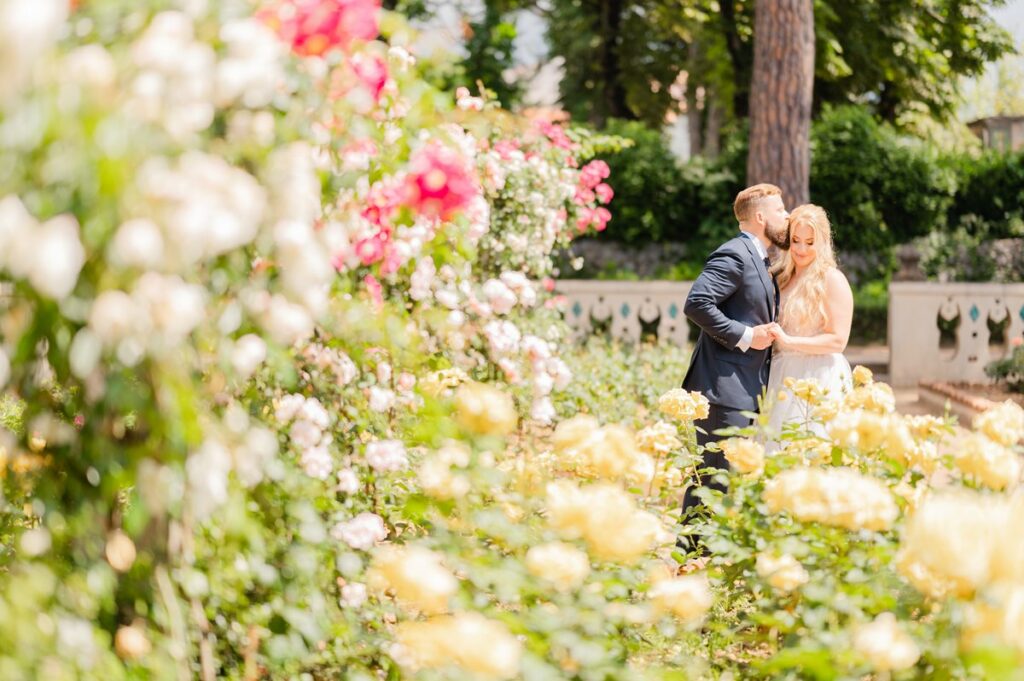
x=815, y=313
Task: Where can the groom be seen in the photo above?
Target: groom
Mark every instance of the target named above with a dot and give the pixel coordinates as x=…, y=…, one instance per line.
x=734, y=302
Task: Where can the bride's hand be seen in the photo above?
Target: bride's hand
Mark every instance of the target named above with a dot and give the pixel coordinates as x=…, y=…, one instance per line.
x=776, y=332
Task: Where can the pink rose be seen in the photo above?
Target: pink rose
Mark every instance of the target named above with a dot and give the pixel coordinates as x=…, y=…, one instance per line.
x=314, y=27
x=439, y=184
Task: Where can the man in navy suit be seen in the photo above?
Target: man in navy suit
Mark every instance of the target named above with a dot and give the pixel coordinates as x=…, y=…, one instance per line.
x=734, y=301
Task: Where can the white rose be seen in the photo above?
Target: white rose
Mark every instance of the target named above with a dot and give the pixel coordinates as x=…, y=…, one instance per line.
x=305, y=434
x=138, y=243
x=58, y=257
x=248, y=353
x=113, y=316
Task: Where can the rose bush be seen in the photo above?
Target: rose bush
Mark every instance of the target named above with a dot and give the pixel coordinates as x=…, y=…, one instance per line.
x=286, y=395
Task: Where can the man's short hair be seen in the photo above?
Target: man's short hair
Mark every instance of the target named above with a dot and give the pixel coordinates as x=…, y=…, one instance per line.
x=748, y=199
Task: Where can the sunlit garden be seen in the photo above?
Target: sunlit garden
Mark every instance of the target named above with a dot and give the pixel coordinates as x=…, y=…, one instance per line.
x=288, y=393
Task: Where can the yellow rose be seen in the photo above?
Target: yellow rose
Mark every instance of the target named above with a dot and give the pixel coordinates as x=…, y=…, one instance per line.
x=812, y=450
x=927, y=582
x=841, y=497
x=808, y=390
x=438, y=480
x=466, y=640
x=416, y=576
x=613, y=454
x=862, y=376
x=1003, y=423
x=987, y=461
x=563, y=565
x=687, y=598
x=484, y=410
x=574, y=432
x=885, y=645
x=927, y=426
x=784, y=572
x=658, y=439
x=744, y=455
x=955, y=542
x=683, y=405
x=999, y=619
x=826, y=410
x=874, y=397
x=442, y=382
x=605, y=517
x=863, y=430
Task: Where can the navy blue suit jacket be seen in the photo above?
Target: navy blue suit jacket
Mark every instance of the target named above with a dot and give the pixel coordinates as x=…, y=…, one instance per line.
x=733, y=291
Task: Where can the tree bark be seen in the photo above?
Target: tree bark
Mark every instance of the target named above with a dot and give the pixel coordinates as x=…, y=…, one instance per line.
x=713, y=127
x=694, y=116
x=613, y=93
x=738, y=55
x=781, y=91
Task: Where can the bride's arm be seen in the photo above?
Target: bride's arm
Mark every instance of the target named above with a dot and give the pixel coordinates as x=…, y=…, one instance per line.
x=839, y=305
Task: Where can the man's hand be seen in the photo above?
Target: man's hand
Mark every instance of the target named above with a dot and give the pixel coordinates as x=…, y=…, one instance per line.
x=763, y=337
x=777, y=333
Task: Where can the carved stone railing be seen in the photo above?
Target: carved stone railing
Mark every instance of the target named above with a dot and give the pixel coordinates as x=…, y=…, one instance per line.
x=627, y=308
x=950, y=332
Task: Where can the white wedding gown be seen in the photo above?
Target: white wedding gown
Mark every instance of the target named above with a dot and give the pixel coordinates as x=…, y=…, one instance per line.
x=831, y=372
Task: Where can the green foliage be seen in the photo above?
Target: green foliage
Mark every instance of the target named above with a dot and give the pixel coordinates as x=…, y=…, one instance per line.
x=870, y=313
x=649, y=186
x=989, y=202
x=657, y=198
x=490, y=47
x=621, y=381
x=903, y=57
x=1009, y=371
x=879, y=189
x=613, y=52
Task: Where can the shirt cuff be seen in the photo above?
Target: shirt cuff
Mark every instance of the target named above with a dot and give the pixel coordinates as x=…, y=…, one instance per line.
x=746, y=340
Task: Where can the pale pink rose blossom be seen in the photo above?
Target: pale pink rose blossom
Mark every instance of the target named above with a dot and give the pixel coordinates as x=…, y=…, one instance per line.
x=362, y=532
x=406, y=381
x=315, y=413
x=543, y=410
x=316, y=462
x=305, y=434
x=288, y=406
x=500, y=296
x=348, y=481
x=381, y=399
x=353, y=595
x=386, y=455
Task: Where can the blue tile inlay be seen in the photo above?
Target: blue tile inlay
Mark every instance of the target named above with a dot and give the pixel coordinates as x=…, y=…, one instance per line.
x=625, y=310
x=974, y=313
x=577, y=309
x=673, y=311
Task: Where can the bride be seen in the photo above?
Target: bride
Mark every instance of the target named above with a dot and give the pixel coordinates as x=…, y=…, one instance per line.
x=815, y=313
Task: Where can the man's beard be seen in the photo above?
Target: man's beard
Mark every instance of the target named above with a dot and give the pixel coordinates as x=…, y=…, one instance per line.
x=779, y=238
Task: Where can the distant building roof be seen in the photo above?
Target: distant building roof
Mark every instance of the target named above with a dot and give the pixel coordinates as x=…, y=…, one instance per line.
x=996, y=119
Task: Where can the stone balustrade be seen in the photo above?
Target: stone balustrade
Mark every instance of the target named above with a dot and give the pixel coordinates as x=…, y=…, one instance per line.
x=950, y=332
x=937, y=331
x=627, y=309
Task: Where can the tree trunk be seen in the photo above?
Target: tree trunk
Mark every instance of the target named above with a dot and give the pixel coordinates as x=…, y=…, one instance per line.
x=781, y=90
x=713, y=127
x=694, y=117
x=738, y=55
x=613, y=95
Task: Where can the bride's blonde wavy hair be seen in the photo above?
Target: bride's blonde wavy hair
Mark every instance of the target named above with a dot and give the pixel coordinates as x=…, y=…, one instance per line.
x=805, y=304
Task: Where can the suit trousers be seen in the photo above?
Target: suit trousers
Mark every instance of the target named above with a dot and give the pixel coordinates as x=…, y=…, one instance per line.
x=718, y=417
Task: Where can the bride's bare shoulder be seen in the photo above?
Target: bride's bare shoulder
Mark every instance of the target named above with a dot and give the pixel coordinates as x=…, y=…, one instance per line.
x=836, y=281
